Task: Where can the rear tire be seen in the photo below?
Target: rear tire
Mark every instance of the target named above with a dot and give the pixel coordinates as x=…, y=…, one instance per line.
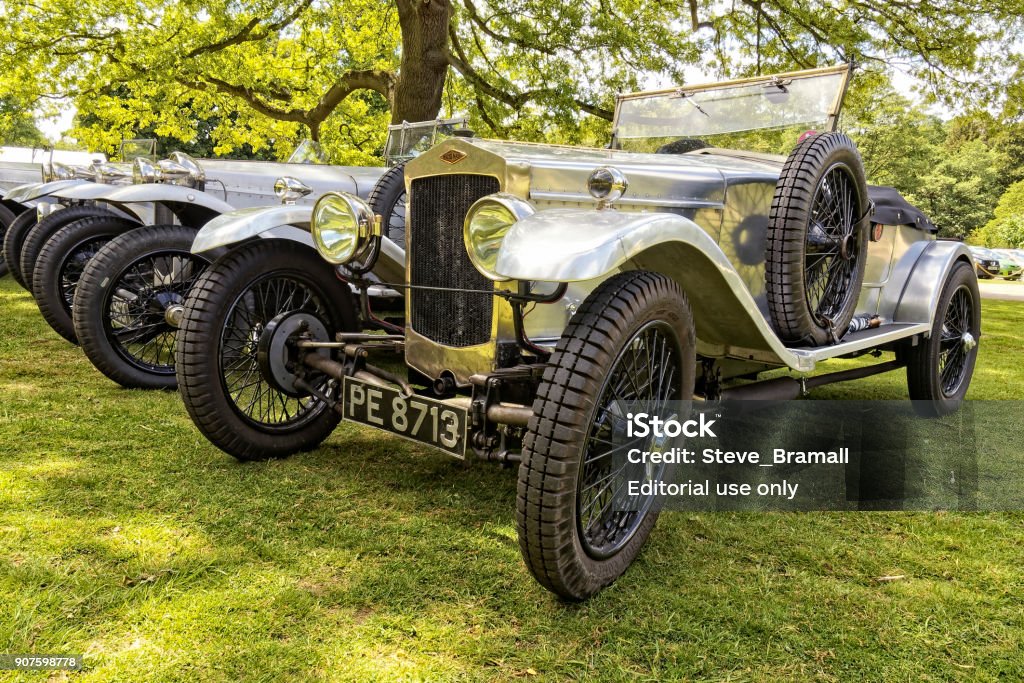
x=14, y=238
x=61, y=262
x=47, y=228
x=122, y=310
x=228, y=308
x=817, y=241
x=6, y=218
x=387, y=199
x=573, y=438
x=939, y=369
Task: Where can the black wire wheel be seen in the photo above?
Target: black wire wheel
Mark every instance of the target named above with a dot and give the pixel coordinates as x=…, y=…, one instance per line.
x=388, y=200
x=6, y=218
x=130, y=300
x=62, y=261
x=630, y=347
x=939, y=369
x=14, y=238
x=237, y=301
x=45, y=229
x=817, y=241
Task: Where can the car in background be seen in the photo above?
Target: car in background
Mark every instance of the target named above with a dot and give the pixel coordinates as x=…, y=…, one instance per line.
x=987, y=263
x=1011, y=263
x=1010, y=266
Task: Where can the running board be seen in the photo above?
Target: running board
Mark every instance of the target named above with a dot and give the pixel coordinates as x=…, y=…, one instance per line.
x=809, y=357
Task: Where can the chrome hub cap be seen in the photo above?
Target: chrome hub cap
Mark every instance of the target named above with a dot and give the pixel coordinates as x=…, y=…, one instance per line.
x=173, y=315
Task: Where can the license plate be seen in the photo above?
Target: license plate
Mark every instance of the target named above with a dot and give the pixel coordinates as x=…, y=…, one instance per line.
x=425, y=420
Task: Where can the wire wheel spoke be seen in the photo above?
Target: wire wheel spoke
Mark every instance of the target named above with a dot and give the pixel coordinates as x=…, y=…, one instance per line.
x=644, y=377
x=252, y=395
x=135, y=314
x=396, y=222
x=953, y=352
x=831, y=249
x=74, y=265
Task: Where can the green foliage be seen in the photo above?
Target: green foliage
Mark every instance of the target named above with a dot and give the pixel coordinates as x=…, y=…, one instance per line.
x=1006, y=229
x=960, y=191
x=17, y=126
x=898, y=142
x=269, y=73
x=1012, y=201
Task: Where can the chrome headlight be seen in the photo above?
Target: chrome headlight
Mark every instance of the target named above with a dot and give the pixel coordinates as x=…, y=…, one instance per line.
x=289, y=189
x=181, y=169
x=47, y=171
x=343, y=227
x=487, y=223
x=196, y=174
x=607, y=184
x=143, y=171
x=61, y=171
x=106, y=172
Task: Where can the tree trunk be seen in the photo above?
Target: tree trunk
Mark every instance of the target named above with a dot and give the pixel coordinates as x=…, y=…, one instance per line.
x=424, y=66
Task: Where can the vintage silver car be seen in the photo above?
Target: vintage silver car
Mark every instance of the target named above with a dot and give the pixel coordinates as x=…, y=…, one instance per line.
x=547, y=285
x=106, y=249
x=128, y=304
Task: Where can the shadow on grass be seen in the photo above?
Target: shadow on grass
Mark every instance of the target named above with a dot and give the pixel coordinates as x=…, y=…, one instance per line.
x=128, y=537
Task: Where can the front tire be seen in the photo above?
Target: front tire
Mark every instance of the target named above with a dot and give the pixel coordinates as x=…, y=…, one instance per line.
x=61, y=263
x=6, y=218
x=14, y=238
x=633, y=335
x=46, y=228
x=128, y=299
x=218, y=371
x=939, y=369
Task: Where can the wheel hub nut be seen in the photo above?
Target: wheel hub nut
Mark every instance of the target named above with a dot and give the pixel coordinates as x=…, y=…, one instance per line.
x=968, y=341
x=173, y=315
x=846, y=248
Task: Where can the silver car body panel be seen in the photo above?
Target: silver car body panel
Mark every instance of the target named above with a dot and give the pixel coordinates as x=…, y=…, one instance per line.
x=33, y=191
x=573, y=245
x=700, y=218
x=236, y=184
x=284, y=222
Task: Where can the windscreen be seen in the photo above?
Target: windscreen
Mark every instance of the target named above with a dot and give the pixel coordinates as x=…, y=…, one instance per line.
x=408, y=140
x=308, y=152
x=706, y=112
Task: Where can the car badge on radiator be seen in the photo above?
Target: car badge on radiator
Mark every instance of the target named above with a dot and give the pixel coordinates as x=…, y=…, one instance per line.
x=453, y=156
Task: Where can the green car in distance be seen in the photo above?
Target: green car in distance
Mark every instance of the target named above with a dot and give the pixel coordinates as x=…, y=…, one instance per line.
x=1011, y=265
x=992, y=263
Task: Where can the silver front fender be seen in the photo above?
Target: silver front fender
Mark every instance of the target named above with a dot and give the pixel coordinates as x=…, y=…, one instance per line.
x=289, y=222
x=192, y=207
x=32, y=191
x=574, y=245
x=240, y=225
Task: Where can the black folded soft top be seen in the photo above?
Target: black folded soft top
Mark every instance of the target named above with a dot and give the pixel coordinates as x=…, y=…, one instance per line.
x=892, y=209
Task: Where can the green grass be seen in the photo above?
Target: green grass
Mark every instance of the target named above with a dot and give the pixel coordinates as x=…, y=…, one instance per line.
x=125, y=536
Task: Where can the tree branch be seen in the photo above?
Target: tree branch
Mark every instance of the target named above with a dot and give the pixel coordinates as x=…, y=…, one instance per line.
x=248, y=32
x=460, y=62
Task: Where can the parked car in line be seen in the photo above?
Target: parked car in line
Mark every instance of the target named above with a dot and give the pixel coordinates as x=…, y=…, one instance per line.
x=127, y=324
x=76, y=218
x=1011, y=265
x=985, y=262
x=551, y=289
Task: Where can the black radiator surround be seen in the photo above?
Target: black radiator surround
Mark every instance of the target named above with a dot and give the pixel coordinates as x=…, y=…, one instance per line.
x=438, y=258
